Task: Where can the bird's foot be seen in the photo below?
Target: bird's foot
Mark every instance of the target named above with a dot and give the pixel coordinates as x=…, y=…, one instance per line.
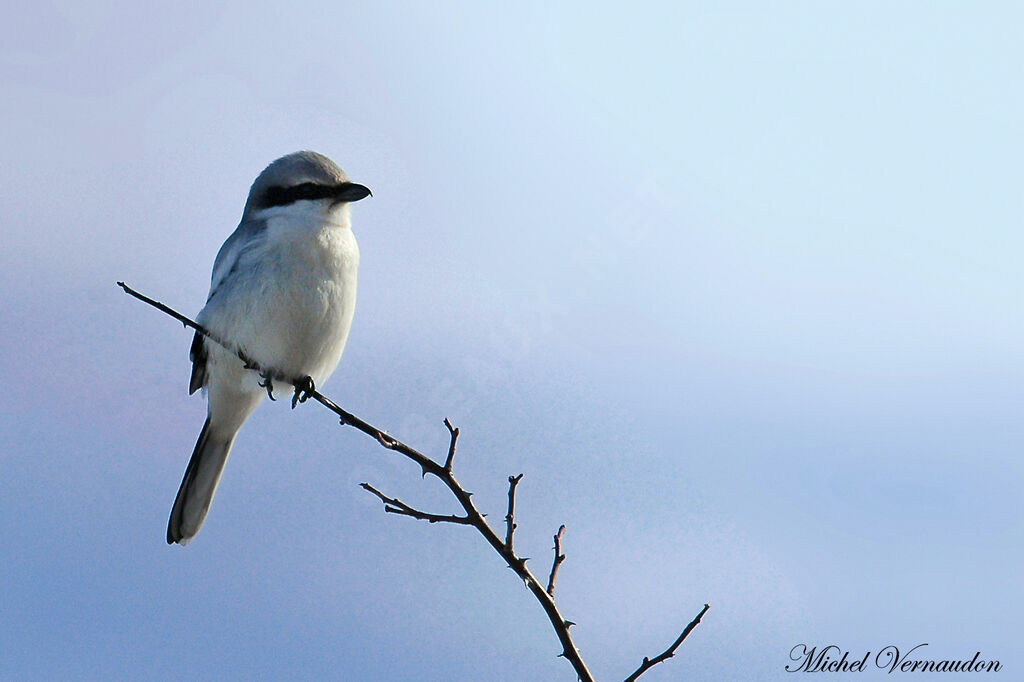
x=268, y=383
x=303, y=391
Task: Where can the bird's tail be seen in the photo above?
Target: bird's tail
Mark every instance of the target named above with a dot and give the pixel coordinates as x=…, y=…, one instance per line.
x=199, y=484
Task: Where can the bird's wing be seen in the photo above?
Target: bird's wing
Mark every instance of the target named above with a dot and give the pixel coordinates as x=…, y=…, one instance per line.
x=248, y=235
x=197, y=354
x=232, y=256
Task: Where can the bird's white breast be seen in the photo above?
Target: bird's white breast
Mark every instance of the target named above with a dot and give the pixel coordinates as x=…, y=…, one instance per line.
x=294, y=312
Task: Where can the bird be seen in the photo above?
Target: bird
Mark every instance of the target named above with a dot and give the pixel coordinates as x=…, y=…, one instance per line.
x=283, y=293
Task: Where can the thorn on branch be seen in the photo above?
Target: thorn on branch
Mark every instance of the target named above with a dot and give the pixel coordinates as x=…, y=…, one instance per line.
x=559, y=558
x=385, y=440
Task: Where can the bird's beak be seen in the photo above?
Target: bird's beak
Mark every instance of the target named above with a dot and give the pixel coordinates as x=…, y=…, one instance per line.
x=348, y=192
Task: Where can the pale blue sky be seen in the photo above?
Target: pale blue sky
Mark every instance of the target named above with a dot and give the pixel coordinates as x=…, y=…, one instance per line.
x=737, y=286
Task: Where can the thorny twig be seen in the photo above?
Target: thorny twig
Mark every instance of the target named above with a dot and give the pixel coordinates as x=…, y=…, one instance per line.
x=668, y=653
x=304, y=390
x=454, y=433
x=510, y=517
x=559, y=558
x=395, y=506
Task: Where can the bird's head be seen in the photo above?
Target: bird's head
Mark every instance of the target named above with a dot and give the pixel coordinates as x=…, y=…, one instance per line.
x=302, y=176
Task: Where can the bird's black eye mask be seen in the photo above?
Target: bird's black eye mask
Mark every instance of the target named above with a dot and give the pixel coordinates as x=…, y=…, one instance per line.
x=342, y=192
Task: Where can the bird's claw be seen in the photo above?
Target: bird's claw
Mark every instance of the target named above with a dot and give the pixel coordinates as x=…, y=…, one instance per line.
x=303, y=391
x=268, y=384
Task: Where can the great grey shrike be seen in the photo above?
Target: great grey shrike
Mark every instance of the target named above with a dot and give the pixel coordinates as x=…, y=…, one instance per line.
x=283, y=292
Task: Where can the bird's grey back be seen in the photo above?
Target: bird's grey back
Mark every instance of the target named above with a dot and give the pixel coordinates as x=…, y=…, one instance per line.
x=290, y=170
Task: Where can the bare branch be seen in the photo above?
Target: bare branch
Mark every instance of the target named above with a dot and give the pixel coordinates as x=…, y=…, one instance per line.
x=393, y=505
x=472, y=516
x=268, y=375
x=559, y=558
x=668, y=653
x=454, y=433
x=510, y=517
x=164, y=309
